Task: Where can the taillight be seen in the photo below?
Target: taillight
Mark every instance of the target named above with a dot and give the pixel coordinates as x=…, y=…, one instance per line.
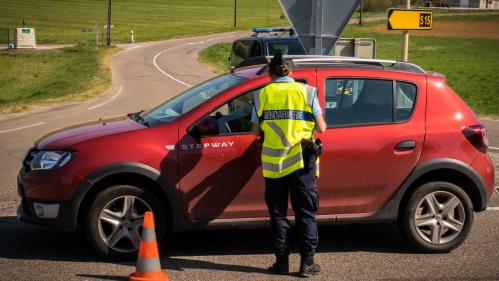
x=477, y=135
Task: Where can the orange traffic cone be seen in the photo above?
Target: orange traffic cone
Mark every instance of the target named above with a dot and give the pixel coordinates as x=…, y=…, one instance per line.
x=148, y=265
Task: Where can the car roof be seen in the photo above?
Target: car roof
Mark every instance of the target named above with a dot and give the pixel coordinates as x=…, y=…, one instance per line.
x=269, y=38
x=313, y=62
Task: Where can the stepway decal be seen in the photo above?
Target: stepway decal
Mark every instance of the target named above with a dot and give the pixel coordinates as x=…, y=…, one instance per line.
x=207, y=145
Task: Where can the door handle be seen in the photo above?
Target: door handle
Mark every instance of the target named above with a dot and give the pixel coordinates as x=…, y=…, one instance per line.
x=405, y=145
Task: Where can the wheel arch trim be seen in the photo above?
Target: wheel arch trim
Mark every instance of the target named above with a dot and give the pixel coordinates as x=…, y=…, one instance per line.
x=457, y=166
x=166, y=187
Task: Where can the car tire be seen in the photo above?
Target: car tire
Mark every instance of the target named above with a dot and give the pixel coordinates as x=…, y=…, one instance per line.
x=437, y=217
x=112, y=230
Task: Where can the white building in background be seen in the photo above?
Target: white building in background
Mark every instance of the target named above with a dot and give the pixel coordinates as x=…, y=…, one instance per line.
x=491, y=4
x=482, y=4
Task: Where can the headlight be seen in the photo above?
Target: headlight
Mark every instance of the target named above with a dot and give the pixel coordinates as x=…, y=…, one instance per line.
x=45, y=160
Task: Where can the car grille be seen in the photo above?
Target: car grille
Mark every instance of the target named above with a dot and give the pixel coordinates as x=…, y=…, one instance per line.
x=29, y=157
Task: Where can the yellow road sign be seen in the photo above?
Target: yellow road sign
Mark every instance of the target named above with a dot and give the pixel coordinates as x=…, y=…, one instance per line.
x=400, y=19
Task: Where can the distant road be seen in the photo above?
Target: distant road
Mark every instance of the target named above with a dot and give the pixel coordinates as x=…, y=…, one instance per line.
x=144, y=75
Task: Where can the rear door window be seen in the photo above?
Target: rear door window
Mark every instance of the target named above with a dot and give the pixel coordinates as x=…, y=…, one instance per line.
x=405, y=100
x=352, y=102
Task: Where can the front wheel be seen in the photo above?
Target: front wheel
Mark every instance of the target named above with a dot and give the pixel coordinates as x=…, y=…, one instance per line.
x=114, y=221
x=437, y=217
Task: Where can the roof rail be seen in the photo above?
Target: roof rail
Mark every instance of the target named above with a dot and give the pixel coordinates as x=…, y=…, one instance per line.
x=331, y=59
x=270, y=30
x=296, y=60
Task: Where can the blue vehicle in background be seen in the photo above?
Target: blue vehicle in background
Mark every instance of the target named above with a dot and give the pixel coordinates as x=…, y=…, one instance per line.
x=253, y=49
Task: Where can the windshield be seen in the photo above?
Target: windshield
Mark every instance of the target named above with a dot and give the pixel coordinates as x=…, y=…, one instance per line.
x=185, y=102
x=285, y=46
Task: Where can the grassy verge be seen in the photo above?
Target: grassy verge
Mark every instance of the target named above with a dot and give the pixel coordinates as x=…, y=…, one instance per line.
x=470, y=65
x=28, y=78
x=216, y=56
x=58, y=21
x=75, y=74
x=62, y=21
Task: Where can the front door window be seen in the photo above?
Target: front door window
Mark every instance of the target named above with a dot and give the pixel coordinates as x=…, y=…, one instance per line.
x=220, y=172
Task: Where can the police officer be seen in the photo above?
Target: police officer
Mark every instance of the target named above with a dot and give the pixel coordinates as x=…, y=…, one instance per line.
x=288, y=112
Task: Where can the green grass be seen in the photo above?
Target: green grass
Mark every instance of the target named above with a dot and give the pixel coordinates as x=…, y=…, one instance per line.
x=59, y=21
x=28, y=78
x=74, y=74
x=356, y=15
x=470, y=65
x=216, y=56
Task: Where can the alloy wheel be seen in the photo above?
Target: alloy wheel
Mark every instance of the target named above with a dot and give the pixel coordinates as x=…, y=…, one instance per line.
x=439, y=217
x=120, y=223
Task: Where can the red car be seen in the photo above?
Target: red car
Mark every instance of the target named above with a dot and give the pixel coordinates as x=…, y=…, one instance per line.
x=403, y=148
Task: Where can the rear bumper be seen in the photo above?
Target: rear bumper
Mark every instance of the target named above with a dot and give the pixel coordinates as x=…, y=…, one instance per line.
x=64, y=219
x=485, y=168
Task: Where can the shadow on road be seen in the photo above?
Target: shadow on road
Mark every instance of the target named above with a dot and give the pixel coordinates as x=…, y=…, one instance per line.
x=101, y=277
x=22, y=241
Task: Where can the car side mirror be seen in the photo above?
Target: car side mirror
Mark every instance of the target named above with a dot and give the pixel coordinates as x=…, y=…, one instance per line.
x=208, y=126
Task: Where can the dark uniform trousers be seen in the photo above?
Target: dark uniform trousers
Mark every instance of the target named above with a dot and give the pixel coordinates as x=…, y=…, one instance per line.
x=302, y=188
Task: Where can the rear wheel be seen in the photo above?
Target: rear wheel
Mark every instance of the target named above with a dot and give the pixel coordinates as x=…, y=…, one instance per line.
x=114, y=220
x=437, y=217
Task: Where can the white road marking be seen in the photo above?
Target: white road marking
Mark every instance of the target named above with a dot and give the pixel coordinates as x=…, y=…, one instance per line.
x=109, y=100
x=493, y=147
x=20, y=128
x=493, y=209
x=164, y=73
x=166, y=50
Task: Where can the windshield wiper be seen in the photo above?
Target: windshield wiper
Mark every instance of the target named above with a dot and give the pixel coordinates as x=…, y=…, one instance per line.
x=138, y=117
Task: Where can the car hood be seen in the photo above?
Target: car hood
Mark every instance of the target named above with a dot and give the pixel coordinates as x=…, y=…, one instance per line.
x=68, y=136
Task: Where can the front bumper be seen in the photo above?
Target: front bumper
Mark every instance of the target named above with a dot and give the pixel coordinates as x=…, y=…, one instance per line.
x=64, y=220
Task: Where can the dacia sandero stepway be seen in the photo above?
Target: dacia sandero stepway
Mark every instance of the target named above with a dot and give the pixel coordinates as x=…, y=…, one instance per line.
x=400, y=146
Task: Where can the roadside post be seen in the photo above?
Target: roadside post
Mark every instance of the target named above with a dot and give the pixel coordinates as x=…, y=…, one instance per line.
x=96, y=34
x=131, y=36
x=405, y=35
x=408, y=19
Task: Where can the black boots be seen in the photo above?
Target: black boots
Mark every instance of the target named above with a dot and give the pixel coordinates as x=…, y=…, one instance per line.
x=281, y=266
x=308, y=267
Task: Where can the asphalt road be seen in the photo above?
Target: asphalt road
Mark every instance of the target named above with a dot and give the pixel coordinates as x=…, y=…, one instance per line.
x=145, y=75
x=351, y=252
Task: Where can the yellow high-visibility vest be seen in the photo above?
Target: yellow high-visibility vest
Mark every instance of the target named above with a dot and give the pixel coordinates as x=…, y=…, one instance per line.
x=286, y=117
